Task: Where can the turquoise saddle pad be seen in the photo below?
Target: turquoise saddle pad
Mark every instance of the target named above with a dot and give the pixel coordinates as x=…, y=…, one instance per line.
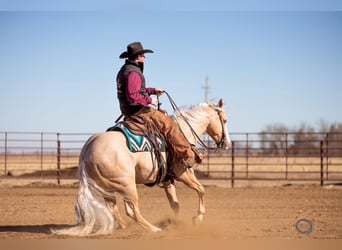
x=139, y=143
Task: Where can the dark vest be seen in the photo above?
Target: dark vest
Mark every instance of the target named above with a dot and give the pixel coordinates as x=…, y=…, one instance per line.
x=127, y=107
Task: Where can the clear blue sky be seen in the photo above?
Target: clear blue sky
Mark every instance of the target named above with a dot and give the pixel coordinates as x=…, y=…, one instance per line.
x=57, y=68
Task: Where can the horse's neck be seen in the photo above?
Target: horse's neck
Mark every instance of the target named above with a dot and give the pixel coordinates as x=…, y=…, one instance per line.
x=198, y=127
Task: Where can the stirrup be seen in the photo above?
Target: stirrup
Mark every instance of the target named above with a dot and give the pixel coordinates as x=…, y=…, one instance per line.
x=199, y=158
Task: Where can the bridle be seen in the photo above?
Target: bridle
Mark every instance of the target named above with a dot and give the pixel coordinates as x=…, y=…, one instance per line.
x=200, y=141
x=223, y=134
x=195, y=135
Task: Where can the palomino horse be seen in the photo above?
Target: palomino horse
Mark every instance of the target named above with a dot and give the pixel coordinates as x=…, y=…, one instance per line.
x=107, y=167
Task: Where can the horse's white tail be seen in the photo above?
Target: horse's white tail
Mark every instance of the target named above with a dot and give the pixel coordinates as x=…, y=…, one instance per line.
x=91, y=209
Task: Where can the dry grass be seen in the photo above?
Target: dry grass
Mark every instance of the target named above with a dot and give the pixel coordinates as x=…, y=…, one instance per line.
x=23, y=164
x=272, y=167
x=215, y=166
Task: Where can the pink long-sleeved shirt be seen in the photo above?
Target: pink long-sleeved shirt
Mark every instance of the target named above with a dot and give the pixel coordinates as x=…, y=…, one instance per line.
x=133, y=87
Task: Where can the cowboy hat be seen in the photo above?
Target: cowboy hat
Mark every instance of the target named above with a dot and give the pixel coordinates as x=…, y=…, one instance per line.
x=134, y=49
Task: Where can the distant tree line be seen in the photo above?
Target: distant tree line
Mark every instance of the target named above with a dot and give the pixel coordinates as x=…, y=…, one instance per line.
x=278, y=139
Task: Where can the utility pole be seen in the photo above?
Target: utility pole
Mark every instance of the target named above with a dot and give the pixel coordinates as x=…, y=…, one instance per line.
x=206, y=89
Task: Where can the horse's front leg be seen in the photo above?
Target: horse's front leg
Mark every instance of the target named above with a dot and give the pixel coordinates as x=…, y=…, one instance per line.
x=187, y=176
x=170, y=191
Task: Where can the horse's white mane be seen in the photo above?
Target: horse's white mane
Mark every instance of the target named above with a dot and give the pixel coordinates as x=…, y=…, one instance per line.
x=195, y=112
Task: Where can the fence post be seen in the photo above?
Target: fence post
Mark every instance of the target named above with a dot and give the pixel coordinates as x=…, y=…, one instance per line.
x=286, y=157
x=41, y=153
x=5, y=153
x=322, y=155
x=233, y=165
x=247, y=154
x=208, y=158
x=327, y=157
x=58, y=159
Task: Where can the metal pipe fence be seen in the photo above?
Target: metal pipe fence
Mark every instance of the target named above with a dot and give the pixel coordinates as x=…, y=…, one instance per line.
x=287, y=157
x=282, y=157
x=39, y=154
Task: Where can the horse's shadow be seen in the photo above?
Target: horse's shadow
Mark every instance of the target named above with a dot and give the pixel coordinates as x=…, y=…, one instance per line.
x=165, y=224
x=44, y=229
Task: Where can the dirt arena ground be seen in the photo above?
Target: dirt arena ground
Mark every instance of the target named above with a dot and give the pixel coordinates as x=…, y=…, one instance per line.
x=29, y=212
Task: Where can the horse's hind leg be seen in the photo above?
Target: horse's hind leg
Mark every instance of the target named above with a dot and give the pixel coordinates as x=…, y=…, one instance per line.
x=115, y=210
x=130, y=195
x=188, y=177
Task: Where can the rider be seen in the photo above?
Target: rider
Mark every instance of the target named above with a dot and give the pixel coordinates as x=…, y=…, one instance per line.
x=134, y=98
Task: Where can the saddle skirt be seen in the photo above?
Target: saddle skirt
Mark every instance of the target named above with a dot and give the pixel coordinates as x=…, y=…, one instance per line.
x=140, y=142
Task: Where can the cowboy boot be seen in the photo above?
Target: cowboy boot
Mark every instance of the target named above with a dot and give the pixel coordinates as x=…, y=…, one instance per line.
x=198, y=155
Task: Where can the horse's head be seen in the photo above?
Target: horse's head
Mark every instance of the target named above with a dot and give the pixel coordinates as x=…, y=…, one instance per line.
x=217, y=127
x=204, y=117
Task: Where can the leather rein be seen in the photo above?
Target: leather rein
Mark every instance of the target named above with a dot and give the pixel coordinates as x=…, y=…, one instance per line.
x=200, y=141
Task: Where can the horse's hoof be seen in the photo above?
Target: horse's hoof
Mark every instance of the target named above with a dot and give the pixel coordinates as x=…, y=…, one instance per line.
x=156, y=229
x=196, y=220
x=120, y=226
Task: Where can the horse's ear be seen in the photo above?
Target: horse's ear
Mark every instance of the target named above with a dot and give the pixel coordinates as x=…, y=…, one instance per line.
x=220, y=103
